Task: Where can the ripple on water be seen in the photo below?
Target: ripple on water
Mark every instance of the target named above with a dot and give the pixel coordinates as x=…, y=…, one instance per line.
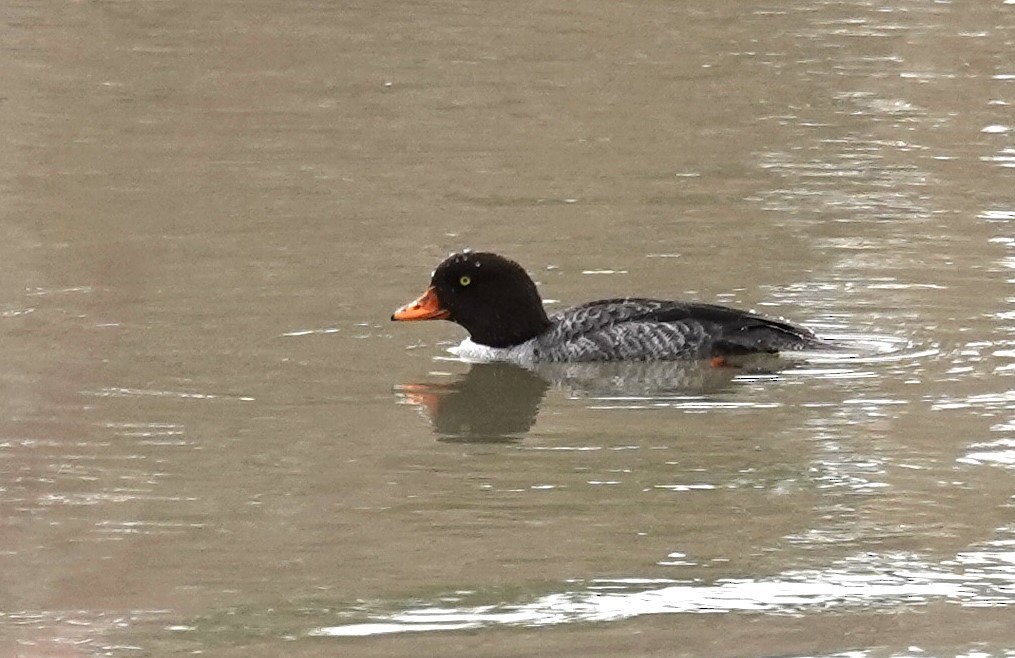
x=122, y=392
x=1005, y=158
x=981, y=577
x=998, y=453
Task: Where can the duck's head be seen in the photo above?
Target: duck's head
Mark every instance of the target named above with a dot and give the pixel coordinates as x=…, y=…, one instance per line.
x=492, y=297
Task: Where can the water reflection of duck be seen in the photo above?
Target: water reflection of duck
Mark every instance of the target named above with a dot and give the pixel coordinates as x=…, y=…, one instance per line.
x=500, y=401
x=646, y=379
x=495, y=300
x=492, y=402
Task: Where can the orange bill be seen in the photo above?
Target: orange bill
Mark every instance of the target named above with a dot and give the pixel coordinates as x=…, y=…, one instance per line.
x=427, y=307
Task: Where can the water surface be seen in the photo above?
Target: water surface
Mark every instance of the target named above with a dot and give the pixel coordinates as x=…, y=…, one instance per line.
x=212, y=438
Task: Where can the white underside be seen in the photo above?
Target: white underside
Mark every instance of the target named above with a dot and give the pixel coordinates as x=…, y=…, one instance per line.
x=476, y=353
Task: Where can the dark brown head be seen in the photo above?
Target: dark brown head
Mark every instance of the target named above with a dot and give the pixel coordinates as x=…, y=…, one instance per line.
x=492, y=297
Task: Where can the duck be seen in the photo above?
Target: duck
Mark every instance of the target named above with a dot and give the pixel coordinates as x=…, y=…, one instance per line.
x=496, y=301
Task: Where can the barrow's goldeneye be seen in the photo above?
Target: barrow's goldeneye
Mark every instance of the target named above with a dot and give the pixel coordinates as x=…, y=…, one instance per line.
x=495, y=300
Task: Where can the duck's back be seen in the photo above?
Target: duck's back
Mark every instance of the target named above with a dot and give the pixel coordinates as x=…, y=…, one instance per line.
x=649, y=329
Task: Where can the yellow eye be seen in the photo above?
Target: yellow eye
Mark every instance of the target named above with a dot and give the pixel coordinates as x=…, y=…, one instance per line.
x=464, y=281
